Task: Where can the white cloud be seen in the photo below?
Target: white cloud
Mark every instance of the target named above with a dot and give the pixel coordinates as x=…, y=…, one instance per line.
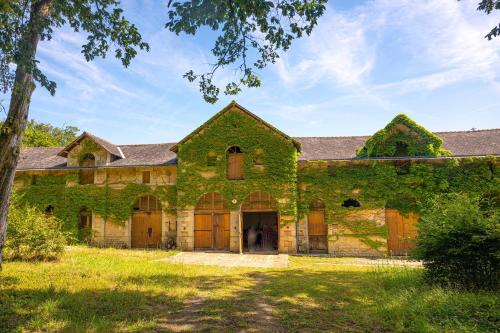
x=337, y=50
x=442, y=43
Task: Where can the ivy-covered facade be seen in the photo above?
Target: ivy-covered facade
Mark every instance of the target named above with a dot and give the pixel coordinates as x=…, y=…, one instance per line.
x=238, y=184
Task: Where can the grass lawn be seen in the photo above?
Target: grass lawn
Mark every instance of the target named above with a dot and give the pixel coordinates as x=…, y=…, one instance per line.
x=106, y=290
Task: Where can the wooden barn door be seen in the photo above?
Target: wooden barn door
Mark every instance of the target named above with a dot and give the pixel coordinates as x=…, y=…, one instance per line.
x=203, y=231
x=211, y=223
x=211, y=231
x=146, y=223
x=318, y=231
x=146, y=230
x=221, y=231
x=402, y=231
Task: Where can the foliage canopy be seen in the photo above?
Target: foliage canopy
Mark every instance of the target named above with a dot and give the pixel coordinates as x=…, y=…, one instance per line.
x=251, y=34
x=459, y=242
x=33, y=236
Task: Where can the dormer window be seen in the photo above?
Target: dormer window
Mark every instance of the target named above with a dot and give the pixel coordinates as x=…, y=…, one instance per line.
x=87, y=175
x=234, y=163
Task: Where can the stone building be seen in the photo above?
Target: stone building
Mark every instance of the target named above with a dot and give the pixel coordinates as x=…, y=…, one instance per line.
x=238, y=184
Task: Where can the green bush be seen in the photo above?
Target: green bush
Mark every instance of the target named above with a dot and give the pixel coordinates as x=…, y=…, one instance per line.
x=459, y=242
x=33, y=236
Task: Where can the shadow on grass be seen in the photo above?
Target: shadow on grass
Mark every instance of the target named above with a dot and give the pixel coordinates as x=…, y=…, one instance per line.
x=294, y=300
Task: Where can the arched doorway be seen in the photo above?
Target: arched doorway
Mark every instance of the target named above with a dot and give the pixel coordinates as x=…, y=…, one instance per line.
x=260, y=223
x=146, y=223
x=211, y=223
x=317, y=228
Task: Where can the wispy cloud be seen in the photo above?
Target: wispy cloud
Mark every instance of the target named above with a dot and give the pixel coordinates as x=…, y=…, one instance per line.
x=443, y=39
x=337, y=51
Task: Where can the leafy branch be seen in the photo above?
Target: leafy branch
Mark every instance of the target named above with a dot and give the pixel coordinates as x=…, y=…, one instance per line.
x=251, y=35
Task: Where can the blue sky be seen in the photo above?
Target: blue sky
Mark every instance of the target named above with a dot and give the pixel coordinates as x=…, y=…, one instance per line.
x=366, y=62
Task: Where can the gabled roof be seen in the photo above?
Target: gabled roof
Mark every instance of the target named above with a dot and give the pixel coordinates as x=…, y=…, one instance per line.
x=461, y=144
x=230, y=106
x=419, y=140
x=147, y=155
x=108, y=146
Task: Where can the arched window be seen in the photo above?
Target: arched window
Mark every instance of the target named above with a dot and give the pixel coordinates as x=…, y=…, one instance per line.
x=317, y=204
x=87, y=175
x=234, y=163
x=351, y=203
x=147, y=203
x=259, y=201
x=211, y=201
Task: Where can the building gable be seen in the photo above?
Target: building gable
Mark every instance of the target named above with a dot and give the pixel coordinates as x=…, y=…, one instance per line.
x=234, y=107
x=402, y=137
x=104, y=152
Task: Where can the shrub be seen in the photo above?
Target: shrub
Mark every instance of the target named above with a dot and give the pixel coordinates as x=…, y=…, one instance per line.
x=459, y=242
x=33, y=236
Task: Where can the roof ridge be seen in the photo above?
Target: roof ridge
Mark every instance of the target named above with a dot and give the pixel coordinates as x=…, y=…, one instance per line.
x=337, y=136
x=98, y=137
x=43, y=147
x=470, y=131
x=147, y=144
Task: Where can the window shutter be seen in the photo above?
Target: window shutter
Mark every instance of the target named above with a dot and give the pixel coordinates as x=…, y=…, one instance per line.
x=235, y=166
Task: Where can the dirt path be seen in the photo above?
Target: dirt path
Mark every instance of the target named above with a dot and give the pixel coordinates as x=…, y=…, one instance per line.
x=247, y=311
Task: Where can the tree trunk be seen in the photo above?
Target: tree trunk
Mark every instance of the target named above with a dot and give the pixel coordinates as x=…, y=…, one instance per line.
x=12, y=131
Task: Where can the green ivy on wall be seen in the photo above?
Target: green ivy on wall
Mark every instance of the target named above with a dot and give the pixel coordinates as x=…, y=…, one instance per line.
x=202, y=163
x=86, y=147
x=402, y=137
x=113, y=204
x=378, y=184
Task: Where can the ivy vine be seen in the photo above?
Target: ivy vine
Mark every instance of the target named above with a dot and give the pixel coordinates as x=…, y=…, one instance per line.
x=269, y=165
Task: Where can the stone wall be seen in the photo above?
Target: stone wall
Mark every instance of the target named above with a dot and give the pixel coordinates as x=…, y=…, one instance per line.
x=343, y=241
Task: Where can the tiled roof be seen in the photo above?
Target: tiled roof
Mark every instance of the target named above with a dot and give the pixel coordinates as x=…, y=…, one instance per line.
x=147, y=154
x=108, y=146
x=464, y=143
x=41, y=158
x=135, y=155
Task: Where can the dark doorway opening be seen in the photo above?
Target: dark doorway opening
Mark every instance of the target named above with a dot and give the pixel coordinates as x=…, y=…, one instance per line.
x=260, y=232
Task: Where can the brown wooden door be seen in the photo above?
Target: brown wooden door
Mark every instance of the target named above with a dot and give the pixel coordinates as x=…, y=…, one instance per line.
x=317, y=230
x=203, y=231
x=86, y=175
x=235, y=166
x=221, y=231
x=146, y=230
x=154, y=230
x=211, y=231
x=401, y=231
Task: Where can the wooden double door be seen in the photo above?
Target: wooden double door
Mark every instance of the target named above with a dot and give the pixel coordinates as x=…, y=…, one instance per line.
x=211, y=231
x=146, y=229
x=318, y=231
x=402, y=231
